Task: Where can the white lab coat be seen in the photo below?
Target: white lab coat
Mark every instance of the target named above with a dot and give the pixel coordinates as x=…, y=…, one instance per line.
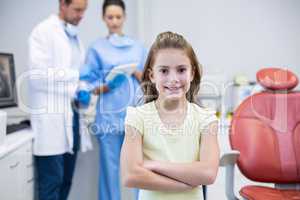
x=52, y=84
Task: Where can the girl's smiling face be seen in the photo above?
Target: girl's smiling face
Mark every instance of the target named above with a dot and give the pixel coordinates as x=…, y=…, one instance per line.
x=172, y=74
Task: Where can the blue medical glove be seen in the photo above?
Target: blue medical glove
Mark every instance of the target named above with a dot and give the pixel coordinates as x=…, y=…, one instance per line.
x=117, y=81
x=83, y=97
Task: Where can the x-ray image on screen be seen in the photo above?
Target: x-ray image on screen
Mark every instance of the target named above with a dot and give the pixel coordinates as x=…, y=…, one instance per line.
x=7, y=80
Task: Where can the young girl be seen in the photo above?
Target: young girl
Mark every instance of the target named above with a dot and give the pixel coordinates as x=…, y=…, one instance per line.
x=170, y=145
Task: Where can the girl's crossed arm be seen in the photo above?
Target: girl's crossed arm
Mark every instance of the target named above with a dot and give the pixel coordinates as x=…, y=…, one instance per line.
x=134, y=174
x=201, y=172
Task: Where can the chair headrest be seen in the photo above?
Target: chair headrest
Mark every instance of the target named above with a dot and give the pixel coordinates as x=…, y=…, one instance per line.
x=277, y=79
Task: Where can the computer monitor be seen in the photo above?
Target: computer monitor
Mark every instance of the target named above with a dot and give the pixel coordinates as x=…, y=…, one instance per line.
x=8, y=95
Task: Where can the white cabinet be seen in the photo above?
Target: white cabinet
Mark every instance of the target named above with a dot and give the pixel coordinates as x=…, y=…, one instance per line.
x=17, y=174
x=28, y=170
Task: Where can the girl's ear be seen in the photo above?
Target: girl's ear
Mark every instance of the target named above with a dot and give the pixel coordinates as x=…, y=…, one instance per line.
x=151, y=77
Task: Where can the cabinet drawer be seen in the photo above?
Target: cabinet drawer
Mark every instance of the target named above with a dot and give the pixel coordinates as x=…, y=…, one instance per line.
x=27, y=154
x=17, y=174
x=28, y=160
x=29, y=170
x=28, y=190
x=11, y=163
x=11, y=176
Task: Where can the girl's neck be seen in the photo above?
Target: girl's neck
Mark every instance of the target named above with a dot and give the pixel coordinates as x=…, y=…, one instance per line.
x=171, y=105
x=172, y=113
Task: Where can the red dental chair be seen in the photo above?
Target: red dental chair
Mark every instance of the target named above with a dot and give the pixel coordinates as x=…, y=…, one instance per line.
x=265, y=138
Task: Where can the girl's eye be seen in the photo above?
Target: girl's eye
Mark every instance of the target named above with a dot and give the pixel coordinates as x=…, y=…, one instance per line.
x=181, y=70
x=163, y=71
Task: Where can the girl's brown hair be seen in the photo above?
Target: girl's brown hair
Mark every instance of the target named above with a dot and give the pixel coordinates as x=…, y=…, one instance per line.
x=170, y=40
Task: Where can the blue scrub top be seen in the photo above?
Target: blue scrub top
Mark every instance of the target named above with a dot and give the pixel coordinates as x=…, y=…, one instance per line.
x=102, y=56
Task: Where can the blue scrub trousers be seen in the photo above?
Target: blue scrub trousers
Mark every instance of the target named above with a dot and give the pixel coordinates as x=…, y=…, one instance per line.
x=55, y=172
x=109, y=175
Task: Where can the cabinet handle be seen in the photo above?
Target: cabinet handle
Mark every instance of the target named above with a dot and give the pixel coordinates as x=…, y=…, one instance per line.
x=30, y=180
x=14, y=166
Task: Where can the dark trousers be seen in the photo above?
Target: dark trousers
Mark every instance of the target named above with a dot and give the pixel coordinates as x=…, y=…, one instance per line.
x=55, y=172
x=55, y=176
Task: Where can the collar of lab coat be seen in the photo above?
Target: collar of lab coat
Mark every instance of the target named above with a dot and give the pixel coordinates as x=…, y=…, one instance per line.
x=59, y=24
x=54, y=18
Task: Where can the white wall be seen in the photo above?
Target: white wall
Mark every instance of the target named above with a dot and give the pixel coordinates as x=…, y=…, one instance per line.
x=231, y=36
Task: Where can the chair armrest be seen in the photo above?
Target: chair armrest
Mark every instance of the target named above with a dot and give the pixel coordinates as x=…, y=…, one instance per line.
x=229, y=158
x=228, y=161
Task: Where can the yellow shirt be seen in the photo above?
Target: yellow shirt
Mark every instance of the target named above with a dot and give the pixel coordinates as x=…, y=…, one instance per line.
x=178, y=145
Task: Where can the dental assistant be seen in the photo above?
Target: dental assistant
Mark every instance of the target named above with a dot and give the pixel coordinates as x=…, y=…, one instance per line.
x=55, y=57
x=115, y=95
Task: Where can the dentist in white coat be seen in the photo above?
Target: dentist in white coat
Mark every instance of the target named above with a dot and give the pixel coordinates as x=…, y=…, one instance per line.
x=55, y=56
